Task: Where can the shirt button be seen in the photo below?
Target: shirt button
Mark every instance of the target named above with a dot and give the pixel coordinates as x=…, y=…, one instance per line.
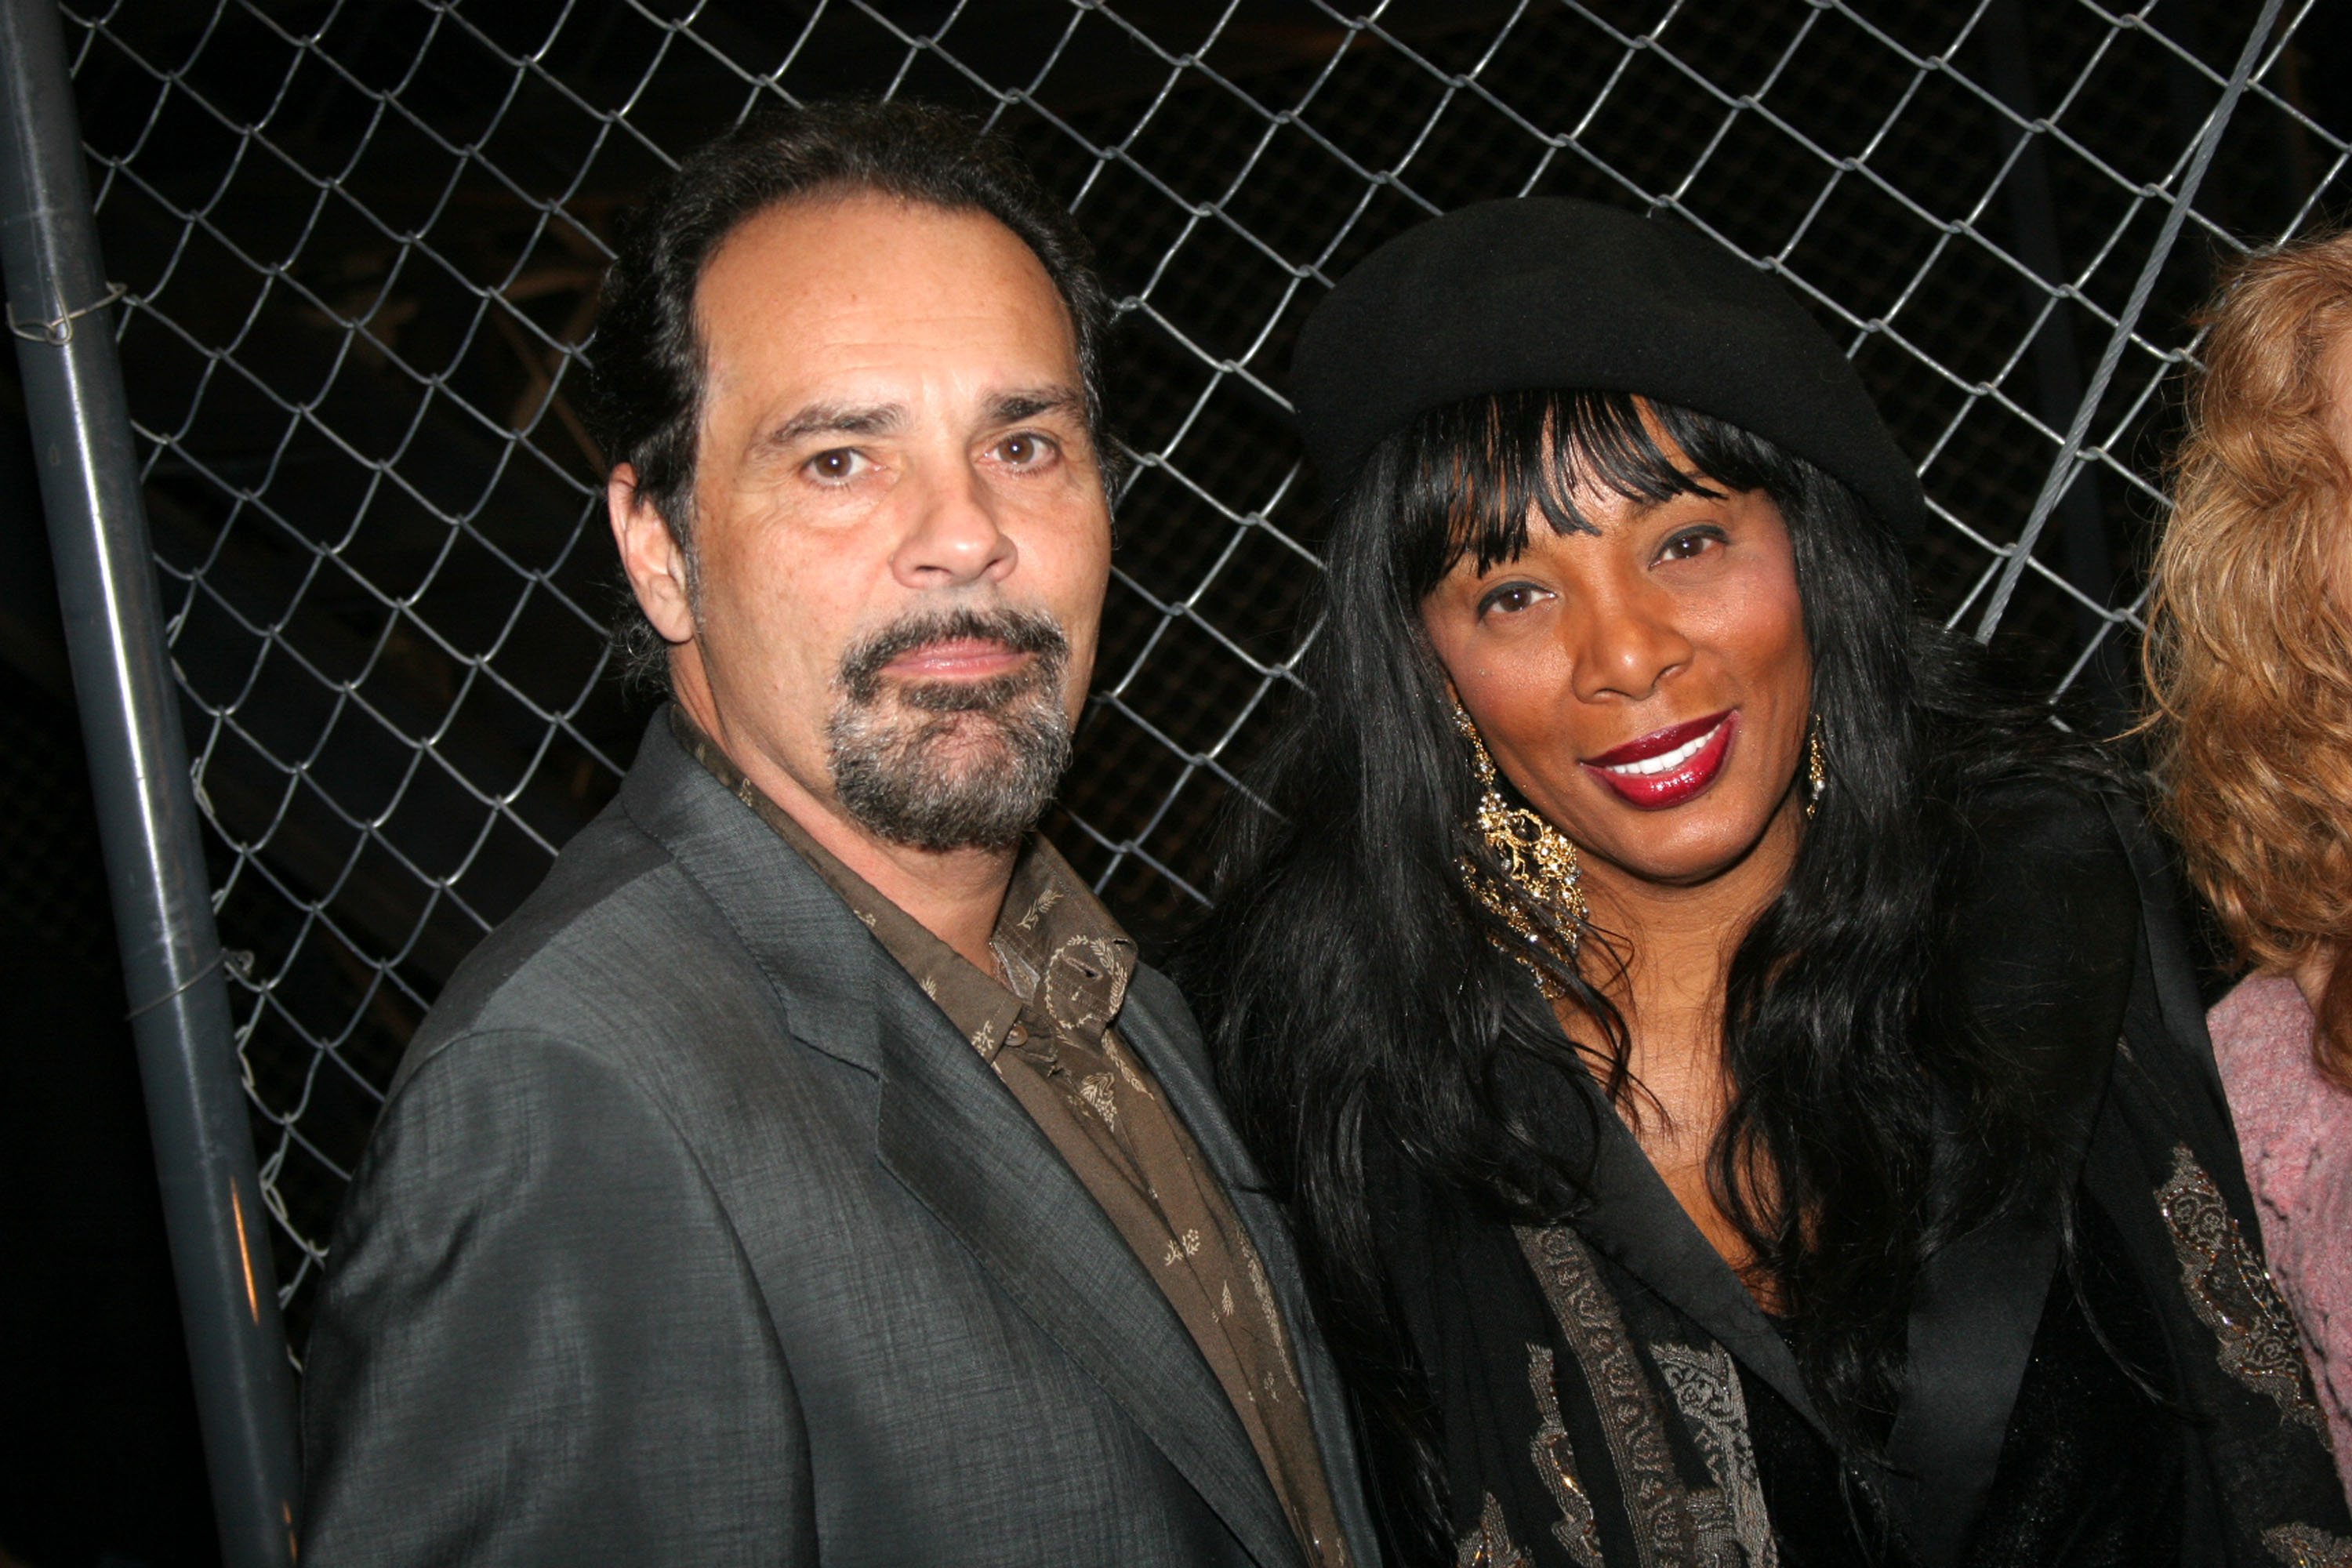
x=1016, y=1036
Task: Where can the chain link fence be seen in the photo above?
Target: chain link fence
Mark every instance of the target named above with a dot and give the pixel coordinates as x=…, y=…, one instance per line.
x=360, y=243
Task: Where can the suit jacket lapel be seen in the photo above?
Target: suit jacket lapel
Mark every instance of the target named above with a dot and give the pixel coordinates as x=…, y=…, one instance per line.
x=963, y=1146
x=1159, y=1027
x=956, y=1138
x=819, y=957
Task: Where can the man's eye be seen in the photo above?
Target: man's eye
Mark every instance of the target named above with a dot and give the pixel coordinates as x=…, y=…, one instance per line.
x=1026, y=450
x=836, y=466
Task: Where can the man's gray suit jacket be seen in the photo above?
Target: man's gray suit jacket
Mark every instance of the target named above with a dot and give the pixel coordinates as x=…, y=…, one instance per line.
x=693, y=1233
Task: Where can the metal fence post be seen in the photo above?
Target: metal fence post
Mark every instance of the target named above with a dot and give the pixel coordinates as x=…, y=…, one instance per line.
x=2063, y=470
x=196, y=1108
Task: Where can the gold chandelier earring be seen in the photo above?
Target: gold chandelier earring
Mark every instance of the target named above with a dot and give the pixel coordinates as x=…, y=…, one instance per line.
x=1540, y=896
x=1817, y=777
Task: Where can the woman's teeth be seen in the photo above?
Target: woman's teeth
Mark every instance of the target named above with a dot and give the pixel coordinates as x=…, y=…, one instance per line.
x=1665, y=762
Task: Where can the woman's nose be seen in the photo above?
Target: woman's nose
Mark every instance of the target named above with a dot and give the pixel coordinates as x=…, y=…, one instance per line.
x=1624, y=647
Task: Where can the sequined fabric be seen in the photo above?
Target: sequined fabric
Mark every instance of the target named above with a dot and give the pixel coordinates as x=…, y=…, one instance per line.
x=2232, y=1295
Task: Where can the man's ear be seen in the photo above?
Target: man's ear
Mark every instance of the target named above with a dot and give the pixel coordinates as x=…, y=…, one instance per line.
x=650, y=555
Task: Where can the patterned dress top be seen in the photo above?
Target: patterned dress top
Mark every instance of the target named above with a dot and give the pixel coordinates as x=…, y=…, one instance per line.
x=2108, y=1380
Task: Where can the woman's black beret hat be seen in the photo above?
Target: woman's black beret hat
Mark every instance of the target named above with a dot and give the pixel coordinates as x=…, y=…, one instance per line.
x=1539, y=294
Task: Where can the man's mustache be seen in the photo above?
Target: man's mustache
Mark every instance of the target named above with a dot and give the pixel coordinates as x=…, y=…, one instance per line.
x=1022, y=631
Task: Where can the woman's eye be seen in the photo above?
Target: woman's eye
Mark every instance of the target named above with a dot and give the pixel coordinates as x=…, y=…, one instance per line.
x=1509, y=599
x=837, y=466
x=1691, y=543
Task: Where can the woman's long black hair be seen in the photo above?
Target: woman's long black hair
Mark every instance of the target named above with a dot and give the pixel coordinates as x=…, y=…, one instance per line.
x=1356, y=1001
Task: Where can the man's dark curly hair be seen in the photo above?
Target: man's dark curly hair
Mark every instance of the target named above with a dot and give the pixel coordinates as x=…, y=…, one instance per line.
x=646, y=360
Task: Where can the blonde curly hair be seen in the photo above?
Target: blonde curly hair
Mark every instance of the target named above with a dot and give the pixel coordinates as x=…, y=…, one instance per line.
x=2249, y=647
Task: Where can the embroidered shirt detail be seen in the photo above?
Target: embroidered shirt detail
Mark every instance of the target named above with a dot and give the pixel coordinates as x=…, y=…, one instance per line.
x=2301, y=1546
x=1657, y=1505
x=1555, y=1458
x=1490, y=1545
x=1095, y=1089
x=1115, y=1055
x=1084, y=979
x=2232, y=1295
x=1279, y=1336
x=1046, y=899
x=1706, y=1388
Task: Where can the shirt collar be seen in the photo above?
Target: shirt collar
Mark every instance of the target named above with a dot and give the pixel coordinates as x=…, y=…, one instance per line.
x=1062, y=953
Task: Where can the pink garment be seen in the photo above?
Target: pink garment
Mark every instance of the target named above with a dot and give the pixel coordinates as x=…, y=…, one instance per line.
x=2294, y=1129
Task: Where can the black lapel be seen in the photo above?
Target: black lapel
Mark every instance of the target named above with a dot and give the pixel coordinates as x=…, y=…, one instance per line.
x=1635, y=1219
x=2046, y=942
x=2167, y=989
x=1159, y=1027
x=1976, y=1308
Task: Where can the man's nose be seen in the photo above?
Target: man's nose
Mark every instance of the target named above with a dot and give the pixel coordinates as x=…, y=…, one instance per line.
x=953, y=536
x=1624, y=645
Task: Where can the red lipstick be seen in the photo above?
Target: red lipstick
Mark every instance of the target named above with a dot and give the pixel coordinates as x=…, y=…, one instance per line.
x=1669, y=766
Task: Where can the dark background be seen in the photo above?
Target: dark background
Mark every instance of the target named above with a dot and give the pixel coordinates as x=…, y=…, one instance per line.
x=362, y=242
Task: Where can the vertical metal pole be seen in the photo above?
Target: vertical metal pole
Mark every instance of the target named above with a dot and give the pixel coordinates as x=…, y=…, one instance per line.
x=2063, y=470
x=196, y=1108
x=2058, y=368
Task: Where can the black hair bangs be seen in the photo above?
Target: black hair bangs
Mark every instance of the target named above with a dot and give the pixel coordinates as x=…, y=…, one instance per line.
x=1476, y=472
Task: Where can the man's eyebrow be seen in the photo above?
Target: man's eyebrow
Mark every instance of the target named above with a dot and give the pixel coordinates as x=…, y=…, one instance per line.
x=1012, y=408
x=833, y=419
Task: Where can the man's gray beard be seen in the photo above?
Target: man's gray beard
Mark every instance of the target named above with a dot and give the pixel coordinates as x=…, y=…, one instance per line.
x=951, y=764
